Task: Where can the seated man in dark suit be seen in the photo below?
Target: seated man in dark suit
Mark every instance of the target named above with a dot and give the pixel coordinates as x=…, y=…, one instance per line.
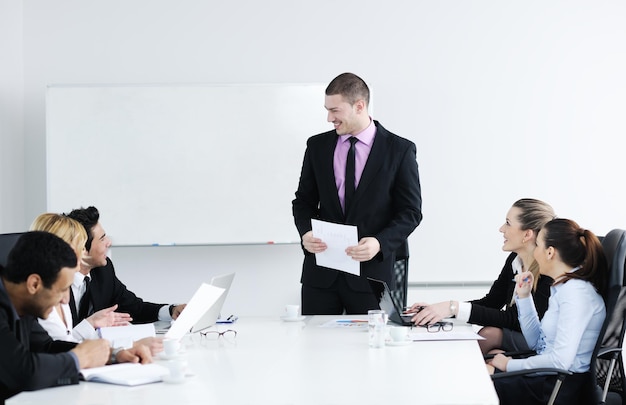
x=38, y=275
x=105, y=289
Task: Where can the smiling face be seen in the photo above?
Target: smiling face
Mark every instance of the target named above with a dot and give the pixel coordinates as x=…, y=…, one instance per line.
x=346, y=118
x=515, y=238
x=97, y=254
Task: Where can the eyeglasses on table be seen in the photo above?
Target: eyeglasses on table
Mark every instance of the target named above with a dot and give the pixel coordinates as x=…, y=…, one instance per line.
x=229, y=334
x=439, y=326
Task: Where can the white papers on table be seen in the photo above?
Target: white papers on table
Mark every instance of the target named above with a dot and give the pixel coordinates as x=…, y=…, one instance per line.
x=126, y=373
x=124, y=336
x=421, y=334
x=337, y=238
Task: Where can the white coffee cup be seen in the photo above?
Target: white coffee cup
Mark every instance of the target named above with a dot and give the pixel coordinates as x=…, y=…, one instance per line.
x=171, y=347
x=399, y=333
x=292, y=311
x=178, y=369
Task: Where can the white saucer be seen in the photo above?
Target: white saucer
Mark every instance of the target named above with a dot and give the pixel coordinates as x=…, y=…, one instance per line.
x=171, y=380
x=164, y=356
x=400, y=343
x=296, y=319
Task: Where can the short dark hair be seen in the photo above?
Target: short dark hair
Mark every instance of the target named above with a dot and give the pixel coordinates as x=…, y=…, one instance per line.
x=88, y=218
x=351, y=87
x=41, y=253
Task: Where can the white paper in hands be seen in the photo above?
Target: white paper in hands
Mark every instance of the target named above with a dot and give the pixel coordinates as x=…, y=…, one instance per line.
x=337, y=238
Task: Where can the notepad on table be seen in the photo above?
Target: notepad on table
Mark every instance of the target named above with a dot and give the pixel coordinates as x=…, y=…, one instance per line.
x=126, y=374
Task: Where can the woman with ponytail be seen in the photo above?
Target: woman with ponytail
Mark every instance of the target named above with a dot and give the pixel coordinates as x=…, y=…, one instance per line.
x=566, y=336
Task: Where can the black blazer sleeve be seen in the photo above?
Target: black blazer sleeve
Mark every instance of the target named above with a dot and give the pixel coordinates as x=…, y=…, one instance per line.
x=508, y=318
x=501, y=291
x=108, y=290
x=22, y=366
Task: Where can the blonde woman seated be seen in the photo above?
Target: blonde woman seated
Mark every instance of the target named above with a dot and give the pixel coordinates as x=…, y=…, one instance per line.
x=496, y=312
x=59, y=322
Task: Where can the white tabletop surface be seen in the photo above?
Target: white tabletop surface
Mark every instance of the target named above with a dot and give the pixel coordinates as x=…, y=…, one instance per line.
x=277, y=362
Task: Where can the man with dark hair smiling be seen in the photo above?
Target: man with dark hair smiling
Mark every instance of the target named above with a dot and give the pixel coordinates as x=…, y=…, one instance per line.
x=105, y=289
x=38, y=275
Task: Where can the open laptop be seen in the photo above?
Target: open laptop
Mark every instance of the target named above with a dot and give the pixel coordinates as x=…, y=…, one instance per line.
x=210, y=317
x=204, y=308
x=388, y=304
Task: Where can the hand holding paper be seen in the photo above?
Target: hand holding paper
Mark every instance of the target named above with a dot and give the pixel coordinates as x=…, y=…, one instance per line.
x=313, y=244
x=337, y=238
x=367, y=248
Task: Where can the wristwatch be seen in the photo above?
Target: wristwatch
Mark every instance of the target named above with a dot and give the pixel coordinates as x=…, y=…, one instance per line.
x=452, y=308
x=118, y=345
x=114, y=353
x=172, y=310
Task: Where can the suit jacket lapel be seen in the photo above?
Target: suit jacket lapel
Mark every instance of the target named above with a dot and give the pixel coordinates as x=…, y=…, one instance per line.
x=327, y=171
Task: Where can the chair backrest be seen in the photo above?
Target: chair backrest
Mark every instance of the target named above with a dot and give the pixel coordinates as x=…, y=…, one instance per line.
x=7, y=241
x=401, y=282
x=614, y=244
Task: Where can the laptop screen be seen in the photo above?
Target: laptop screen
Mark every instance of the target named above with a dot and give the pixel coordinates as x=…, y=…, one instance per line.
x=210, y=317
x=205, y=298
x=387, y=303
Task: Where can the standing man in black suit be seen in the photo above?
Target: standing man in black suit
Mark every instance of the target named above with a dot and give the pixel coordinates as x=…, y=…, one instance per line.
x=385, y=203
x=105, y=289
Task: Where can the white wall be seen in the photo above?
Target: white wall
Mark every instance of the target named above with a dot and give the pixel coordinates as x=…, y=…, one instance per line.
x=11, y=111
x=267, y=277
x=528, y=83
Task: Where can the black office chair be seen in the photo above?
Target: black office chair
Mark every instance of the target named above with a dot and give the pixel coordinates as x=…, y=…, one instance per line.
x=7, y=241
x=608, y=368
x=614, y=245
x=401, y=282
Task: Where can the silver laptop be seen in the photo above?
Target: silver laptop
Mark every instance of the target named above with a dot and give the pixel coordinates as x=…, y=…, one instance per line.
x=211, y=316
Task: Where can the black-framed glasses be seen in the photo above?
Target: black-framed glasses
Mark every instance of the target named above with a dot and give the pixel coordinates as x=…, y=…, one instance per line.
x=437, y=326
x=214, y=335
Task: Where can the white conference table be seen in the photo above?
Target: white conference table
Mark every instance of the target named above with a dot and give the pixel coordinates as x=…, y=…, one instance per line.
x=277, y=362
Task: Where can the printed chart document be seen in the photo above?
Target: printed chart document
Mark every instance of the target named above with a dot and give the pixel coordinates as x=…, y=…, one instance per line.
x=337, y=237
x=126, y=373
x=346, y=324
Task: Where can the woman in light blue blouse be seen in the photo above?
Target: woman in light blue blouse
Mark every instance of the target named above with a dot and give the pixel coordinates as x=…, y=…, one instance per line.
x=566, y=336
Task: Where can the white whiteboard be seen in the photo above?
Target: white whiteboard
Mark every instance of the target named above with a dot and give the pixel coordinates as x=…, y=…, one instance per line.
x=201, y=164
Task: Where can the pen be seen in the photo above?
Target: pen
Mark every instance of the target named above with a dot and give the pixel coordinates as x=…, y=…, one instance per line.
x=99, y=333
x=351, y=321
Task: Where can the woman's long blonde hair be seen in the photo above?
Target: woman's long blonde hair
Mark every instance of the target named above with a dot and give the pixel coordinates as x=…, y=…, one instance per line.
x=534, y=215
x=66, y=228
